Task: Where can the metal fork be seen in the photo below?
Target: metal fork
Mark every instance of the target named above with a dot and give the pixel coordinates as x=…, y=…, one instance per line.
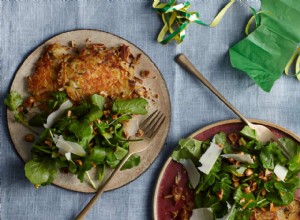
x=150, y=126
x=263, y=133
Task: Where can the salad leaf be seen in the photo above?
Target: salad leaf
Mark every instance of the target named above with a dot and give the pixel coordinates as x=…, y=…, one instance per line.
x=13, y=100
x=133, y=160
x=188, y=149
x=42, y=171
x=98, y=100
x=294, y=164
x=57, y=99
x=98, y=155
x=131, y=106
x=94, y=114
x=249, y=132
x=37, y=120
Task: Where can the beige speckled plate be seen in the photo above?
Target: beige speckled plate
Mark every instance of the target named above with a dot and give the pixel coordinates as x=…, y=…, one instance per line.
x=155, y=82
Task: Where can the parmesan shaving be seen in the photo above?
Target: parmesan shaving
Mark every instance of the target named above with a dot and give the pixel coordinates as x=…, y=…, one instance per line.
x=202, y=213
x=193, y=173
x=68, y=147
x=280, y=172
x=58, y=113
x=209, y=158
x=246, y=158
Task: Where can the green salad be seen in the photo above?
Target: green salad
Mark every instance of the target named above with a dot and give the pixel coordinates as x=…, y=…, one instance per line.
x=76, y=137
x=232, y=175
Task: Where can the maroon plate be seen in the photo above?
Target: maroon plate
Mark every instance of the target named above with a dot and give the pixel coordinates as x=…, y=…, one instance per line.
x=162, y=206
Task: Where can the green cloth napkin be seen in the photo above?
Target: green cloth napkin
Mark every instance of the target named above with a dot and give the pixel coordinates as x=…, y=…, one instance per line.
x=264, y=54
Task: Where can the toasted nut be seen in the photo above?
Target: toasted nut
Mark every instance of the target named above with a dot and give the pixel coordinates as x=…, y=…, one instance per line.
x=29, y=138
x=253, y=186
x=78, y=162
x=233, y=137
x=144, y=73
x=220, y=194
x=268, y=173
x=234, y=178
x=236, y=184
x=114, y=117
x=139, y=133
x=242, y=200
x=263, y=192
x=29, y=102
x=69, y=113
x=231, y=160
x=48, y=143
x=272, y=207
x=248, y=172
x=246, y=189
x=263, y=209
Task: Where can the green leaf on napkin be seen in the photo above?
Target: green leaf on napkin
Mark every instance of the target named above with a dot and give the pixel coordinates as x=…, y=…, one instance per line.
x=264, y=54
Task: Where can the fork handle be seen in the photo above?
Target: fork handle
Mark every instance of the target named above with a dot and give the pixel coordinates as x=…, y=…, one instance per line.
x=187, y=65
x=91, y=203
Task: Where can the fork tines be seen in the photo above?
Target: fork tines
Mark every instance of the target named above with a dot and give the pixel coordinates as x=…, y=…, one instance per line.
x=151, y=125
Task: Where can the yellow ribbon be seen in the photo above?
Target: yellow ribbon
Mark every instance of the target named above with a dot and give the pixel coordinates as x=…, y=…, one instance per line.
x=176, y=19
x=295, y=56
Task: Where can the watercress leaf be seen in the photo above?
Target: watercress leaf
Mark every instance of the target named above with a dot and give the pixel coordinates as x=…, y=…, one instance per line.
x=132, y=161
x=81, y=129
x=233, y=169
x=220, y=209
x=60, y=97
x=41, y=171
x=98, y=155
x=249, y=132
x=131, y=106
x=13, y=100
x=101, y=172
x=221, y=140
x=120, y=153
x=94, y=114
x=80, y=110
x=57, y=99
x=243, y=214
x=275, y=198
x=97, y=100
x=206, y=181
x=232, y=213
x=38, y=120
x=267, y=158
x=222, y=188
x=291, y=146
x=111, y=158
x=192, y=145
x=286, y=192
x=121, y=119
x=246, y=200
x=294, y=163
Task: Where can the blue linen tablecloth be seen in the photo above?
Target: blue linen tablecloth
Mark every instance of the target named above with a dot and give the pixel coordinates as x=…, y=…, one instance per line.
x=25, y=24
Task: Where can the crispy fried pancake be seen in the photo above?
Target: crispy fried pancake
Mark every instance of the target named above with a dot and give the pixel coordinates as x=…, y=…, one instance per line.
x=94, y=70
x=98, y=69
x=289, y=212
x=44, y=79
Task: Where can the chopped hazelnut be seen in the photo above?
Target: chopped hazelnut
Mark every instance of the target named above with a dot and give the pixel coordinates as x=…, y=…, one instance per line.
x=139, y=133
x=233, y=137
x=248, y=172
x=144, y=73
x=246, y=189
x=29, y=138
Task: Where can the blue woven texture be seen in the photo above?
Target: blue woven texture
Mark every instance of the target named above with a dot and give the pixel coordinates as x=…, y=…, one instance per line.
x=26, y=24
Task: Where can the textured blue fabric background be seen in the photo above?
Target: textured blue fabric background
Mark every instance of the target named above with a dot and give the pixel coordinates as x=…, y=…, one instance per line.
x=25, y=24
